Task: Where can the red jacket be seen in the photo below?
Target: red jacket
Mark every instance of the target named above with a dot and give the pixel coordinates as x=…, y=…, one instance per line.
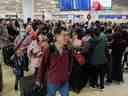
x=58, y=66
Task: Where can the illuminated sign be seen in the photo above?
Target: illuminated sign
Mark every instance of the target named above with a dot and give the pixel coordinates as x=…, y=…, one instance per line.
x=101, y=4
x=67, y=5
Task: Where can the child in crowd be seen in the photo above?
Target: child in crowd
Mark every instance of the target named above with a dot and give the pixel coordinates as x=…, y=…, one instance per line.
x=35, y=51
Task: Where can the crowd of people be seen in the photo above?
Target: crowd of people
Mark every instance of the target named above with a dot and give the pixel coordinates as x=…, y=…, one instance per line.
x=64, y=56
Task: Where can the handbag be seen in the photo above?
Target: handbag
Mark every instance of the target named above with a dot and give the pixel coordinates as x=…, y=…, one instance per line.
x=28, y=87
x=79, y=58
x=39, y=91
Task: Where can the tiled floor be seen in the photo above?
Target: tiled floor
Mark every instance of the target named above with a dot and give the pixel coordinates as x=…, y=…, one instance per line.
x=8, y=79
x=111, y=90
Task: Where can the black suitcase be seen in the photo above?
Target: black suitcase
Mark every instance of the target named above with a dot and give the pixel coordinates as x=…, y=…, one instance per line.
x=27, y=87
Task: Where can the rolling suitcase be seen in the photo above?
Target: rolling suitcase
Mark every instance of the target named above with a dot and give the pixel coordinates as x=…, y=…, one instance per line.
x=27, y=87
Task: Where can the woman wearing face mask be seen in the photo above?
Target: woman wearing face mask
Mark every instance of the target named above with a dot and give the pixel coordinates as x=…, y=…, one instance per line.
x=22, y=42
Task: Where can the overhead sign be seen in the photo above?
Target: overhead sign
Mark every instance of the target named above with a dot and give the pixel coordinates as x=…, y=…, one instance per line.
x=113, y=16
x=101, y=4
x=68, y=5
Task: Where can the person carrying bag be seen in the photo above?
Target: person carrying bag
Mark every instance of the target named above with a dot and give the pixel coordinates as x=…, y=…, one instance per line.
x=18, y=62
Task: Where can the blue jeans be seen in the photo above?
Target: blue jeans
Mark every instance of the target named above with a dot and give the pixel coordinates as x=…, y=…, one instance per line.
x=63, y=89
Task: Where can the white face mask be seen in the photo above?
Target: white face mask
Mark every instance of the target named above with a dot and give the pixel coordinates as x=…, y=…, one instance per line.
x=22, y=34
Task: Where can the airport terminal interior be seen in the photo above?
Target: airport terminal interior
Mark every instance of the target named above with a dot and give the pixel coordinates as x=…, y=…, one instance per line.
x=63, y=47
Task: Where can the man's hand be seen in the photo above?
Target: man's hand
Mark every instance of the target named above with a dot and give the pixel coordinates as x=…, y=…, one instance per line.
x=38, y=84
x=14, y=70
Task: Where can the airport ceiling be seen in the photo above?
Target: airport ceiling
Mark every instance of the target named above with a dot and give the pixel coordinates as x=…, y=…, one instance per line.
x=120, y=5
x=120, y=2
